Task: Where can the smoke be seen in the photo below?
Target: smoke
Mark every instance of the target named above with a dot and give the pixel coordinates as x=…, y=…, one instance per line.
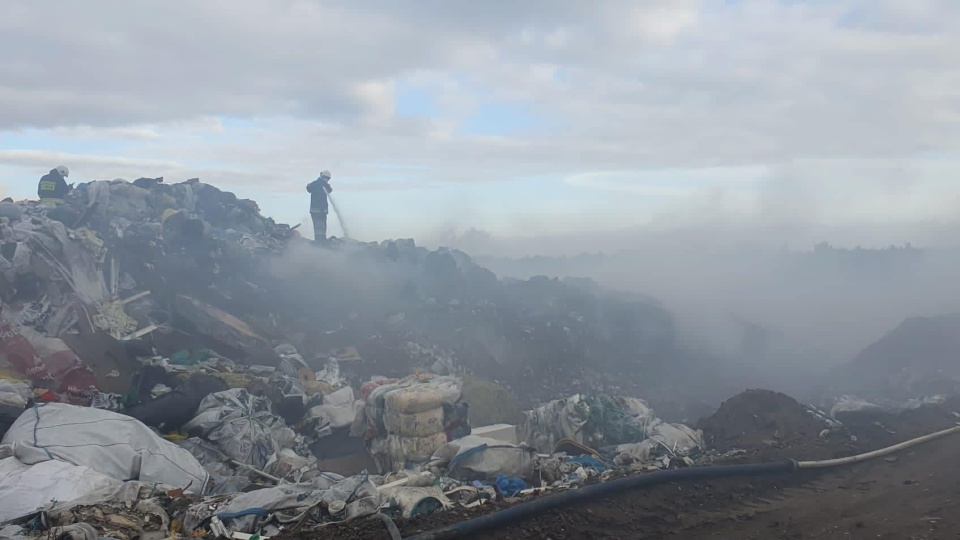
x=782, y=313
x=783, y=292
x=801, y=283
x=336, y=209
x=321, y=284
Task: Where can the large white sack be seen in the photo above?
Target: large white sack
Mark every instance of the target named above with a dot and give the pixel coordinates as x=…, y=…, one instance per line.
x=481, y=458
x=113, y=444
x=543, y=427
x=339, y=409
x=637, y=408
x=26, y=488
x=678, y=438
x=422, y=424
x=242, y=426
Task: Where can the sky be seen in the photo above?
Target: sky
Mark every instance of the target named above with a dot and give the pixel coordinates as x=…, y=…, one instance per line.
x=528, y=120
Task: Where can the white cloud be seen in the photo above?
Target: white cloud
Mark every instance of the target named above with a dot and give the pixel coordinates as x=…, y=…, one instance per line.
x=624, y=89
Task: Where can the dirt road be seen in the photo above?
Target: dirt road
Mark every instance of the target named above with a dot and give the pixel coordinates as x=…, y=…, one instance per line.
x=915, y=497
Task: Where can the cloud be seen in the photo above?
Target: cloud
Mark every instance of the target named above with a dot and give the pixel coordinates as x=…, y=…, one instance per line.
x=600, y=98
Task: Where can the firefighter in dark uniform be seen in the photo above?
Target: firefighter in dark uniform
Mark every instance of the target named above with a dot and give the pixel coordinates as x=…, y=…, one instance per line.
x=319, y=190
x=53, y=187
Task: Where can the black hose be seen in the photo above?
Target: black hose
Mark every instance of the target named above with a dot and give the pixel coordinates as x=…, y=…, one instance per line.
x=391, y=526
x=573, y=496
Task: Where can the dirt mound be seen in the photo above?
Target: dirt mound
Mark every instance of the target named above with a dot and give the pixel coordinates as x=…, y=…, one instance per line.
x=918, y=357
x=763, y=422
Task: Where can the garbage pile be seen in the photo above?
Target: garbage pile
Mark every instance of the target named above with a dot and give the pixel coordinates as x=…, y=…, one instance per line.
x=173, y=362
x=246, y=471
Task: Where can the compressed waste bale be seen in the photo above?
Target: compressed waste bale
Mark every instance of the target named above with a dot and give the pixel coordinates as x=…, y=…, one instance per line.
x=421, y=424
x=418, y=398
x=456, y=420
x=367, y=388
x=414, y=449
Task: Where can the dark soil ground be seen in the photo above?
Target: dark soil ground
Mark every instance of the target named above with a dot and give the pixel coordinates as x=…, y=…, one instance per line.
x=912, y=495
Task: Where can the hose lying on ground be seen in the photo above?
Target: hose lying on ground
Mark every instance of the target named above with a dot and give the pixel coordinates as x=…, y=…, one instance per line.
x=876, y=453
x=524, y=510
x=391, y=526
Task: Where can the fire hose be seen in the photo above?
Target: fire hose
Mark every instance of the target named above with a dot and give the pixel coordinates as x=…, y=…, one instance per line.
x=526, y=510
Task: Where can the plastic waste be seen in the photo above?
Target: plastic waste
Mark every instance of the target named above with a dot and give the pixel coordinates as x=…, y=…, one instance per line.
x=416, y=501
x=110, y=443
x=242, y=426
x=338, y=410
x=474, y=457
x=287, y=503
x=25, y=488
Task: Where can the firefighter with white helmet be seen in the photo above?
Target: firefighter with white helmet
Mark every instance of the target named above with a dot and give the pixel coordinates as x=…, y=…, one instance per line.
x=53, y=187
x=319, y=207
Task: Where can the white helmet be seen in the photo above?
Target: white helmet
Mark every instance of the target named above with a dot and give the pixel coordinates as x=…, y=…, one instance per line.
x=64, y=172
x=325, y=175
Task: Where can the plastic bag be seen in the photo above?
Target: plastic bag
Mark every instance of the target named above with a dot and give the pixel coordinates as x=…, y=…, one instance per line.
x=474, y=457
x=24, y=488
x=339, y=410
x=242, y=426
x=111, y=443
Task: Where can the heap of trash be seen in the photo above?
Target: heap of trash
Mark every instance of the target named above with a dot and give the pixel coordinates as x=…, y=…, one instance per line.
x=240, y=469
x=174, y=363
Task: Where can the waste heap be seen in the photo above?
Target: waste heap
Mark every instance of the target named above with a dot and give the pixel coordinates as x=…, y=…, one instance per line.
x=625, y=429
x=171, y=359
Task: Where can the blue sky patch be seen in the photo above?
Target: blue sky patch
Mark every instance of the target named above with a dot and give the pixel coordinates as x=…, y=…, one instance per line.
x=50, y=142
x=411, y=101
x=499, y=118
